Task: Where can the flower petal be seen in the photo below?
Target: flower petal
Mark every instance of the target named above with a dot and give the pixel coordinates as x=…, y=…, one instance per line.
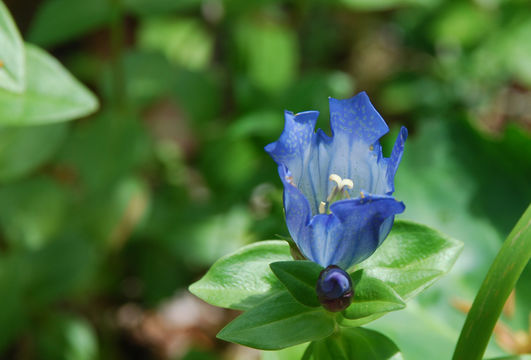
x=366, y=223
x=292, y=147
x=394, y=160
x=296, y=206
x=355, y=151
x=357, y=119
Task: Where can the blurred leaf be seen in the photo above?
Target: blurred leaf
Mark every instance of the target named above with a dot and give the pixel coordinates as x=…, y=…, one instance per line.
x=386, y=4
x=412, y=257
x=242, y=279
x=214, y=236
x=300, y=279
x=355, y=343
x=229, y=163
x=24, y=149
x=371, y=296
x=264, y=124
x=278, y=322
x=268, y=52
x=51, y=94
x=183, y=40
x=461, y=24
x=13, y=313
x=12, y=68
x=94, y=146
x=32, y=212
x=60, y=21
x=154, y=7
x=61, y=268
x=65, y=337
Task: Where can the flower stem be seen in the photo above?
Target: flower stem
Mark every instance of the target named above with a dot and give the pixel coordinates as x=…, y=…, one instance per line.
x=498, y=284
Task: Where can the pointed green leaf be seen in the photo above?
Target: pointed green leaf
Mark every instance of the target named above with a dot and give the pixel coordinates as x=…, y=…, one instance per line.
x=300, y=278
x=52, y=94
x=371, y=296
x=412, y=257
x=354, y=343
x=12, y=69
x=242, y=279
x=278, y=322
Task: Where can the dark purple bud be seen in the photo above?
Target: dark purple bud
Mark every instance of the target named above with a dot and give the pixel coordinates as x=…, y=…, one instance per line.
x=334, y=289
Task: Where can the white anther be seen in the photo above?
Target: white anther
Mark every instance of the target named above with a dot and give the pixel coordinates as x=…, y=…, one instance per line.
x=322, y=207
x=336, y=178
x=348, y=183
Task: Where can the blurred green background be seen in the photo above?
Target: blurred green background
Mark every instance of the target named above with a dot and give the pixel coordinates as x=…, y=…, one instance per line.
x=106, y=220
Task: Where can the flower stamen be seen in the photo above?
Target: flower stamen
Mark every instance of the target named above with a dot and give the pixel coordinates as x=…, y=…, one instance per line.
x=339, y=191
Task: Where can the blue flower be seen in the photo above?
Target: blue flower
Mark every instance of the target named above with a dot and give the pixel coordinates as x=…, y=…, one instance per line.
x=338, y=190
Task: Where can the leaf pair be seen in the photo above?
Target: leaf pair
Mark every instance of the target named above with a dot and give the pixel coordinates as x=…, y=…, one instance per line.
x=371, y=295
x=283, y=310
x=34, y=87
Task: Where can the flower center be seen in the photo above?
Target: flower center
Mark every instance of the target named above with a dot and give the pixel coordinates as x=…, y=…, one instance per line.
x=338, y=192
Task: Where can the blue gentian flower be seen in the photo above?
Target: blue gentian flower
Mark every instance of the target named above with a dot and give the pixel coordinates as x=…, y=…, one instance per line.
x=338, y=190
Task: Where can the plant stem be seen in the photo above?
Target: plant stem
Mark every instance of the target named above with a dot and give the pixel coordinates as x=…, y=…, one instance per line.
x=117, y=47
x=498, y=284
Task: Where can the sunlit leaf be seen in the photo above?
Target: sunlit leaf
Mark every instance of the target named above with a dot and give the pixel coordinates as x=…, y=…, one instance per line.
x=52, y=94
x=12, y=63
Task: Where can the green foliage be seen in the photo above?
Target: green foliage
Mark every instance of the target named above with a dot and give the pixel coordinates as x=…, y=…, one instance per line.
x=243, y=279
x=278, y=322
x=51, y=94
x=300, y=279
x=12, y=70
x=134, y=204
x=498, y=284
x=356, y=343
x=371, y=296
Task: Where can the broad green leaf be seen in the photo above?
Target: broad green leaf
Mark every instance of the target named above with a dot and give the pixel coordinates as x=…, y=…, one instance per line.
x=278, y=322
x=412, y=257
x=52, y=94
x=23, y=149
x=354, y=343
x=12, y=69
x=300, y=278
x=371, y=296
x=242, y=279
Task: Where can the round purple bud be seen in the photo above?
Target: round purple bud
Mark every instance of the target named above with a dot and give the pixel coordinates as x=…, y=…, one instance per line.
x=334, y=289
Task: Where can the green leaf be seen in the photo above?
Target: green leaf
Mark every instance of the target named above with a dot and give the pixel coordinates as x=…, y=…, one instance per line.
x=412, y=257
x=300, y=278
x=242, y=279
x=290, y=353
x=371, y=296
x=23, y=149
x=354, y=343
x=52, y=94
x=12, y=70
x=278, y=322
x=501, y=279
